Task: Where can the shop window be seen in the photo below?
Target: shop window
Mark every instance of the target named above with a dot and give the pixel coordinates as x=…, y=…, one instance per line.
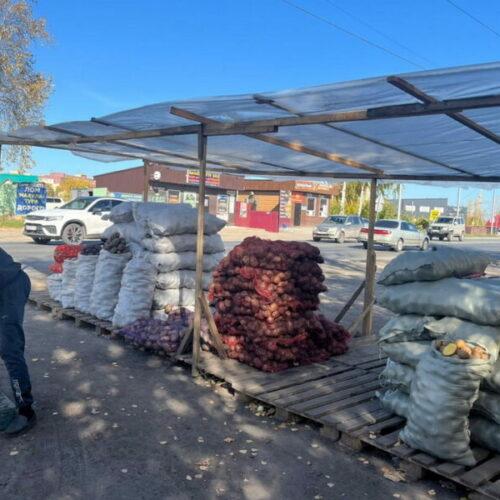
x=311, y=207
x=173, y=196
x=323, y=207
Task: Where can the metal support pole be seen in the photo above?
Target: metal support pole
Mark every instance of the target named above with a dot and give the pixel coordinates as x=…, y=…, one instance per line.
x=202, y=155
x=458, y=201
x=370, y=263
x=400, y=200
x=146, y=181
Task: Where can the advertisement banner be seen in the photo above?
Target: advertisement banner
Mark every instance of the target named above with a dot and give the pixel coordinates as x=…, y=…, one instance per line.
x=30, y=197
x=285, y=204
x=223, y=207
x=193, y=177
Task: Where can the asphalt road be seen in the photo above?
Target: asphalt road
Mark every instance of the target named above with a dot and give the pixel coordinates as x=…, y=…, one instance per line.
x=40, y=256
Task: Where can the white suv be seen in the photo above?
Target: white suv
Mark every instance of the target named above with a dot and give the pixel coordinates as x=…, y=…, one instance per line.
x=75, y=221
x=447, y=227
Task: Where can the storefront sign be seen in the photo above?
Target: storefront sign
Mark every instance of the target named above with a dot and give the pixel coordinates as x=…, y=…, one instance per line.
x=193, y=177
x=30, y=197
x=313, y=186
x=298, y=198
x=285, y=204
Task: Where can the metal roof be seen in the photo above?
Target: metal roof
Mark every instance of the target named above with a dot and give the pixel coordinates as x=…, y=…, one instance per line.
x=431, y=125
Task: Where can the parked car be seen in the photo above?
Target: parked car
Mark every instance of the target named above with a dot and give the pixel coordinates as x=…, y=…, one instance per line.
x=395, y=234
x=53, y=203
x=447, y=228
x=81, y=218
x=338, y=228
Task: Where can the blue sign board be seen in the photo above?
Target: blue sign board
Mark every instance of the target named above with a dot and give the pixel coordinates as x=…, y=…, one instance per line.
x=30, y=197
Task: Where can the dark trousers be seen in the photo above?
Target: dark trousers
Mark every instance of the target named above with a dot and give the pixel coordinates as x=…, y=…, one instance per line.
x=13, y=298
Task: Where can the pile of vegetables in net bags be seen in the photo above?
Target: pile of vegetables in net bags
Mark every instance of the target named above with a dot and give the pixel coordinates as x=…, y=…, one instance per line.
x=55, y=280
x=162, y=335
x=266, y=294
x=162, y=239
x=443, y=373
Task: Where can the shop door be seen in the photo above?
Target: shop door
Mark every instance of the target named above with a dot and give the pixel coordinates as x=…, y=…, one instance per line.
x=297, y=212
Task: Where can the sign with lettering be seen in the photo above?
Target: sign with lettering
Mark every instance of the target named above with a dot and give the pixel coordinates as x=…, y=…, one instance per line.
x=193, y=177
x=30, y=197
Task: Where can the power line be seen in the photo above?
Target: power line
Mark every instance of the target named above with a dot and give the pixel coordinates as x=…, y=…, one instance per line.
x=381, y=33
x=350, y=33
x=468, y=14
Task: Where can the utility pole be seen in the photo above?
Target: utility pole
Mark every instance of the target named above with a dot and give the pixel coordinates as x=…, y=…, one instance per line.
x=400, y=195
x=493, y=212
x=342, y=198
x=458, y=201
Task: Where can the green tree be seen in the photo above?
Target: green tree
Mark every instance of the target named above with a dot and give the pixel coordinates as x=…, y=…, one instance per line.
x=69, y=183
x=23, y=91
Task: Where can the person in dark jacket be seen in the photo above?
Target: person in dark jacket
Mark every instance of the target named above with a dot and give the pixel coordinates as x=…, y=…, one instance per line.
x=14, y=291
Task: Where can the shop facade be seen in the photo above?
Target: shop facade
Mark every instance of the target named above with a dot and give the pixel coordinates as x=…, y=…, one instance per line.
x=298, y=203
x=273, y=205
x=168, y=185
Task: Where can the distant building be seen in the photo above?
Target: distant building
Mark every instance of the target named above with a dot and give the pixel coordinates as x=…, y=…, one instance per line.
x=55, y=178
x=422, y=207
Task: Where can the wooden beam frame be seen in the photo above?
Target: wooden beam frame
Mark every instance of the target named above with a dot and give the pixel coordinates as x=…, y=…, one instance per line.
x=270, y=102
x=410, y=89
x=294, y=146
x=370, y=263
x=202, y=155
x=229, y=128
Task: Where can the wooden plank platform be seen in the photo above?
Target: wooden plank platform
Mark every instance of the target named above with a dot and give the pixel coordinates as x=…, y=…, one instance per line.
x=338, y=394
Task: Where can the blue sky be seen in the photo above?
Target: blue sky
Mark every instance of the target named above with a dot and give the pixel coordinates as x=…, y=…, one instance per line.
x=109, y=55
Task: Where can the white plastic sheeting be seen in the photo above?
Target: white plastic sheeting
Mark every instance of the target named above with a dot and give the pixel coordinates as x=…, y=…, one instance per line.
x=444, y=147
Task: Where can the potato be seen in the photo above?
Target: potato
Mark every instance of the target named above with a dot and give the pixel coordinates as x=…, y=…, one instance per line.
x=464, y=353
x=450, y=349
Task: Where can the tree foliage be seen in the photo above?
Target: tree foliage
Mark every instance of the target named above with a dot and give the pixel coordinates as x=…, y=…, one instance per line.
x=69, y=183
x=23, y=90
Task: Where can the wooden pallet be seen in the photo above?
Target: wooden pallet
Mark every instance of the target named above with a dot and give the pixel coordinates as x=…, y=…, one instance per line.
x=338, y=394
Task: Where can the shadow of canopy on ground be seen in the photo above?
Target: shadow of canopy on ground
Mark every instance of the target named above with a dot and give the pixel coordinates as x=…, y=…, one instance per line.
x=117, y=423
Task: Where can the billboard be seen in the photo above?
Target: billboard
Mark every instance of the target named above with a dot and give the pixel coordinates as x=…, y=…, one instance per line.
x=30, y=197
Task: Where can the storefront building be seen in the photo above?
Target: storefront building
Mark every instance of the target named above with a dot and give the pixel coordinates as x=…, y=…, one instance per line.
x=298, y=202
x=167, y=185
x=274, y=204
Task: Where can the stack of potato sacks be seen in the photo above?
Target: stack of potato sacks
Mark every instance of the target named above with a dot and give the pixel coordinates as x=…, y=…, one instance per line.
x=266, y=294
x=60, y=284
x=160, y=276
x=443, y=372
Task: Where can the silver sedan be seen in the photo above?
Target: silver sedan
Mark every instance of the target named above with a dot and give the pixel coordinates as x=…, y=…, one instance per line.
x=395, y=234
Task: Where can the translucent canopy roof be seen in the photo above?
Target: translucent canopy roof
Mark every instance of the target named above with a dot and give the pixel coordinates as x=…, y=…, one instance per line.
x=432, y=125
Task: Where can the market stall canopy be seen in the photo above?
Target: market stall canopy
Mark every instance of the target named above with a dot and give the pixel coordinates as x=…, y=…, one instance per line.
x=431, y=125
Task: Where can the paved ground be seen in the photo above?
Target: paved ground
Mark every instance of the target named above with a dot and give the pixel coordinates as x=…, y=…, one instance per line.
x=118, y=424
x=115, y=423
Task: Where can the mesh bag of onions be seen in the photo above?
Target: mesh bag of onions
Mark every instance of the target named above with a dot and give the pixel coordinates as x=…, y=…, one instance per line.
x=266, y=294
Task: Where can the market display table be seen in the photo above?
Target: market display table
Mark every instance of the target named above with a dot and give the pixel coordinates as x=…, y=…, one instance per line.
x=338, y=394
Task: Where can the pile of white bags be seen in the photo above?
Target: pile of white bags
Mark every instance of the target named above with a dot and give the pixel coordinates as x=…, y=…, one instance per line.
x=161, y=274
x=85, y=273
x=67, y=295
x=107, y=284
x=444, y=399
